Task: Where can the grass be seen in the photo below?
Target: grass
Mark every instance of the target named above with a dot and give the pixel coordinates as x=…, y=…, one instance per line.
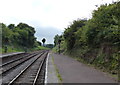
x=57, y=71
x=38, y=48
x=55, y=49
x=43, y=48
x=20, y=49
x=11, y=49
x=94, y=66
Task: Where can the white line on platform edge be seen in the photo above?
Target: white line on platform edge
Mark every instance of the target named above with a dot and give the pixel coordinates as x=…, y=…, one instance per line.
x=46, y=72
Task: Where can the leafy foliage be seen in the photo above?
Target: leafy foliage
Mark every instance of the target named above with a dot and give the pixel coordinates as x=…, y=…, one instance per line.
x=69, y=33
x=97, y=40
x=21, y=35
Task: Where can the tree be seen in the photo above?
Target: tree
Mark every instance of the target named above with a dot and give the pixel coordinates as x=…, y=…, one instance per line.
x=43, y=40
x=6, y=35
x=96, y=40
x=103, y=27
x=11, y=26
x=39, y=43
x=50, y=46
x=69, y=33
x=28, y=34
x=56, y=39
x=59, y=41
x=20, y=35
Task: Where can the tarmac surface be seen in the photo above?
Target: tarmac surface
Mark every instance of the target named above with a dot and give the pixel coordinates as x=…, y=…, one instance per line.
x=73, y=71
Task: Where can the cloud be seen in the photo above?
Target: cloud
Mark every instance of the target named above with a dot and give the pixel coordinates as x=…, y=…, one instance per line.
x=48, y=33
x=53, y=13
x=48, y=14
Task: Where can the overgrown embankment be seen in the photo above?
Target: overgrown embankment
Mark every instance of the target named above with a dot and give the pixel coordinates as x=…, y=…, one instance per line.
x=18, y=38
x=95, y=41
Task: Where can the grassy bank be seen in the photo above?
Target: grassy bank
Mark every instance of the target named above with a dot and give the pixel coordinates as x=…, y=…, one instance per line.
x=21, y=49
x=11, y=49
x=106, y=61
x=104, y=57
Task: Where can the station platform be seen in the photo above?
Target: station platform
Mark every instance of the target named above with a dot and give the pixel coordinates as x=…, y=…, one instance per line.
x=72, y=71
x=51, y=73
x=10, y=54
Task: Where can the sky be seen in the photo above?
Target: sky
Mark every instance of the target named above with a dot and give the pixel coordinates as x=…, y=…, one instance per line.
x=48, y=17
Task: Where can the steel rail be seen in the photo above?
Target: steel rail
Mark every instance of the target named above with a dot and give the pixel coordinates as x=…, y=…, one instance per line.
x=26, y=55
x=14, y=60
x=3, y=72
x=39, y=70
x=15, y=78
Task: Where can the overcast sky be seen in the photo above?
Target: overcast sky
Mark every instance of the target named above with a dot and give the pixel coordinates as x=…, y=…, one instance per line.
x=48, y=17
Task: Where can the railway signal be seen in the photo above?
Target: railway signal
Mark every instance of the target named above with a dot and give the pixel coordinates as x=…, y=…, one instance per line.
x=59, y=41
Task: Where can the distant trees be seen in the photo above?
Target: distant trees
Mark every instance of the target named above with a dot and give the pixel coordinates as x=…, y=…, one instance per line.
x=39, y=43
x=43, y=40
x=26, y=34
x=11, y=26
x=20, y=35
x=56, y=39
x=58, y=43
x=49, y=46
x=6, y=35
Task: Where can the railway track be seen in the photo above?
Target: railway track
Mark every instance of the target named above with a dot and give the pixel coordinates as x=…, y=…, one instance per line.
x=29, y=71
x=15, y=58
x=9, y=57
x=3, y=64
x=11, y=65
x=30, y=74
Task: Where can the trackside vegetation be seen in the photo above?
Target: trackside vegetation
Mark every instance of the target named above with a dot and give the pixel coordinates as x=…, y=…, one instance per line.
x=19, y=38
x=95, y=41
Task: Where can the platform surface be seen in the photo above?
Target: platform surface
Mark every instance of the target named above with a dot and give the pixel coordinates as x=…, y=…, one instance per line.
x=51, y=74
x=9, y=54
x=73, y=71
